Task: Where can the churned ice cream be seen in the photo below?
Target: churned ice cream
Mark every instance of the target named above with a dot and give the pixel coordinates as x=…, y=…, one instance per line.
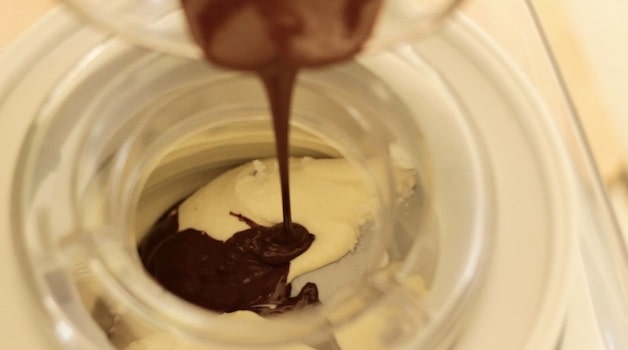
x=330, y=197
x=221, y=247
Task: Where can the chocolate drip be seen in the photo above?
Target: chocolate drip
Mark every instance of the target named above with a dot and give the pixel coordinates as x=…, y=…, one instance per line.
x=279, y=83
x=275, y=38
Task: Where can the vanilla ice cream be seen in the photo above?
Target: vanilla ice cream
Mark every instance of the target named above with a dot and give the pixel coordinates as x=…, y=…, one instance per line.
x=330, y=197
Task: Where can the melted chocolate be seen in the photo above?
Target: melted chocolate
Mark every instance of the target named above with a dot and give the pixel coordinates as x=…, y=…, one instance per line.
x=247, y=272
x=274, y=39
